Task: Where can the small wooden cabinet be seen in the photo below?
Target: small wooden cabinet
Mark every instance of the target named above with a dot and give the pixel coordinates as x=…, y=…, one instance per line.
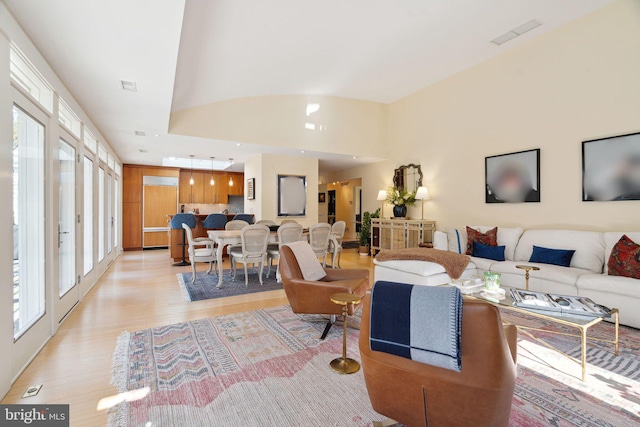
x=400, y=233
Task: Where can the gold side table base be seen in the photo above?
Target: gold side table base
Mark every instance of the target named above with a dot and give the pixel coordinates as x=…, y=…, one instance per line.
x=345, y=366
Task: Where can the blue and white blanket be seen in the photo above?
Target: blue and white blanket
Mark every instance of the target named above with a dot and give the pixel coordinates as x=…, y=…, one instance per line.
x=422, y=323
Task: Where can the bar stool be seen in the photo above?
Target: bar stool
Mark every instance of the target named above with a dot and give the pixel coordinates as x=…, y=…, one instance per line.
x=176, y=224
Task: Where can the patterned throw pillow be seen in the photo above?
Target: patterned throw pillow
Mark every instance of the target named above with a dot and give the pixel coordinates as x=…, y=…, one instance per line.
x=490, y=238
x=625, y=259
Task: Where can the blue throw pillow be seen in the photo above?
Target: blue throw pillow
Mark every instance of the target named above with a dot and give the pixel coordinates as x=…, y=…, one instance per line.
x=481, y=250
x=561, y=257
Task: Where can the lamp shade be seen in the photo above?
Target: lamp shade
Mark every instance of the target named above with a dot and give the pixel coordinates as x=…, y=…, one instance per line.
x=422, y=193
x=382, y=195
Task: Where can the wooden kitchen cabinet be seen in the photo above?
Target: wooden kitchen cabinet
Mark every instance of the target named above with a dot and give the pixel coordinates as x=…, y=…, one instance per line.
x=237, y=189
x=131, y=226
x=191, y=193
x=131, y=184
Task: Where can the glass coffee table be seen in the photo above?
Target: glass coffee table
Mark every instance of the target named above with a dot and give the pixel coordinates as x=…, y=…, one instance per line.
x=579, y=321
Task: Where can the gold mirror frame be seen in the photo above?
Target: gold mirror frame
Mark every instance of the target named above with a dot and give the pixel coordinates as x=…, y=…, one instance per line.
x=408, y=177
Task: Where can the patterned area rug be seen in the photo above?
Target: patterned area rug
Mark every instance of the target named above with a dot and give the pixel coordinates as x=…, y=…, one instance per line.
x=268, y=367
x=205, y=284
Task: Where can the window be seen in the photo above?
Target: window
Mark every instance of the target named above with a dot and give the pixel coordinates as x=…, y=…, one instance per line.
x=68, y=118
x=90, y=141
x=116, y=225
x=28, y=221
x=100, y=214
x=28, y=79
x=111, y=162
x=88, y=215
x=102, y=153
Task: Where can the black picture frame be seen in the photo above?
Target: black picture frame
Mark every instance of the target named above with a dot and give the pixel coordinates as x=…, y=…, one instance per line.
x=322, y=197
x=513, y=177
x=251, y=189
x=611, y=168
x=292, y=195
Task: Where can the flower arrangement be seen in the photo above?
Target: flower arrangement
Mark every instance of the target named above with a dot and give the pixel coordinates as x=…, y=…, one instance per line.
x=400, y=196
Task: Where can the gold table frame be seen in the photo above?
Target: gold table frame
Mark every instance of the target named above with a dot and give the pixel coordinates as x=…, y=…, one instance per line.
x=582, y=327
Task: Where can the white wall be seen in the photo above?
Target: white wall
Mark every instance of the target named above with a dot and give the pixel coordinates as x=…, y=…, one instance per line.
x=576, y=83
x=253, y=169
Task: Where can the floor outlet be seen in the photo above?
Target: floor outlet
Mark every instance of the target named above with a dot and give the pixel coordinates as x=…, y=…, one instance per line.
x=32, y=390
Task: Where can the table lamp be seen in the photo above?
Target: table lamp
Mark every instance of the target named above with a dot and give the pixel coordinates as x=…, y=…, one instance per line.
x=382, y=196
x=422, y=194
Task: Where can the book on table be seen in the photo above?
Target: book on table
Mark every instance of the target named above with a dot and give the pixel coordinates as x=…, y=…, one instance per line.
x=555, y=303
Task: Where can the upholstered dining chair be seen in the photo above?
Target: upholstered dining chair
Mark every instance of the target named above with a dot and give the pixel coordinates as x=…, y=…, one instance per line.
x=199, y=252
x=235, y=224
x=287, y=233
x=335, y=244
x=176, y=223
x=253, y=249
x=214, y=221
x=244, y=217
x=319, y=235
x=314, y=296
x=266, y=222
x=288, y=221
x=418, y=394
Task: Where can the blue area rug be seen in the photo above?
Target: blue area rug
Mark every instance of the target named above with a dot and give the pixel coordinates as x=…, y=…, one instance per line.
x=205, y=285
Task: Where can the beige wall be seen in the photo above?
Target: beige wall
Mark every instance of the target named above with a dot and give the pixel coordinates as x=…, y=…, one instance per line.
x=266, y=168
x=352, y=126
x=345, y=203
x=576, y=83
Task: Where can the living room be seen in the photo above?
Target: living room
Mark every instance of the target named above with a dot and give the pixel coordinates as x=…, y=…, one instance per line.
x=573, y=83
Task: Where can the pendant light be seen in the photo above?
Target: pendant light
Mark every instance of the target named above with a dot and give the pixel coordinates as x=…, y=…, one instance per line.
x=231, y=177
x=212, y=182
x=191, y=181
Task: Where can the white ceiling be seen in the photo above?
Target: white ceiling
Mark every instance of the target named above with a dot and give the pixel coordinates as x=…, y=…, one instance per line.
x=187, y=53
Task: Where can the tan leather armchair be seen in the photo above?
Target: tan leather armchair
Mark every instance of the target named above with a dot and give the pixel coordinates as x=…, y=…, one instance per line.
x=314, y=297
x=417, y=394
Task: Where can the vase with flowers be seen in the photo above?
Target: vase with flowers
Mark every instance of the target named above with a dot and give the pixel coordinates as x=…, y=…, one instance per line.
x=400, y=198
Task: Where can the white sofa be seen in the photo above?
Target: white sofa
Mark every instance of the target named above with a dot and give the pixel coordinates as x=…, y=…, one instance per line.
x=587, y=275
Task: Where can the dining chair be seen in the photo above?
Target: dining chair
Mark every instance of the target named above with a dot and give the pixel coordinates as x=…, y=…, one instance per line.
x=319, y=235
x=199, y=252
x=266, y=222
x=288, y=221
x=176, y=223
x=253, y=249
x=335, y=244
x=236, y=224
x=287, y=233
x=244, y=217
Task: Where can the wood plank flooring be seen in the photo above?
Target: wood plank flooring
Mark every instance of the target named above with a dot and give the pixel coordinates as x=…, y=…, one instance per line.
x=140, y=290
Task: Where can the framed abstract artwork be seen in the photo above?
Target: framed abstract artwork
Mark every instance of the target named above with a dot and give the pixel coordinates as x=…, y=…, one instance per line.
x=251, y=184
x=292, y=195
x=322, y=197
x=611, y=168
x=513, y=177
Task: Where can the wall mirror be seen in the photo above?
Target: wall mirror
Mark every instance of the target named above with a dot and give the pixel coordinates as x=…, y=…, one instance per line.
x=408, y=177
x=292, y=195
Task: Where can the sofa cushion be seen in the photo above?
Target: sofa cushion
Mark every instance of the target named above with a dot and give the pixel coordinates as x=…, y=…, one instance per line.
x=548, y=272
x=490, y=238
x=618, y=285
x=495, y=253
x=440, y=241
x=611, y=238
x=482, y=264
x=589, y=246
x=625, y=259
x=507, y=237
x=561, y=257
x=457, y=240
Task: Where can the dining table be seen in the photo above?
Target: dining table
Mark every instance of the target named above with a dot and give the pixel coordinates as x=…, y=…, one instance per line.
x=234, y=237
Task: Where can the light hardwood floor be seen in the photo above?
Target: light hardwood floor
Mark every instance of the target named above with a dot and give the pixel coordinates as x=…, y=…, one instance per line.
x=140, y=290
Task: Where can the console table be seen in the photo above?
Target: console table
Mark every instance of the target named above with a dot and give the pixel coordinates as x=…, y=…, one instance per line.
x=400, y=233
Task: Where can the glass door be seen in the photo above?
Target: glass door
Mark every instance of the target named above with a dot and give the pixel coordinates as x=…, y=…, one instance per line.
x=67, y=271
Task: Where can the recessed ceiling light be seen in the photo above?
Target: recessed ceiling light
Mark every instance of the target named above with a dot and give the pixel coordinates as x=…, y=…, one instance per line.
x=140, y=133
x=354, y=157
x=238, y=144
x=129, y=85
x=301, y=151
x=156, y=135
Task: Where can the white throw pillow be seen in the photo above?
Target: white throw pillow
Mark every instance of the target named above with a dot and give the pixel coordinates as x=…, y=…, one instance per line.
x=440, y=241
x=457, y=238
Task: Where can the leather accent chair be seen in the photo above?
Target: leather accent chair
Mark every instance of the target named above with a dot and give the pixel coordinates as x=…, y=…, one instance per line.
x=314, y=297
x=417, y=394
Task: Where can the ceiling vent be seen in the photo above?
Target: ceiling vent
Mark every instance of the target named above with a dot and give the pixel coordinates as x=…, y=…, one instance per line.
x=130, y=86
x=518, y=31
x=140, y=133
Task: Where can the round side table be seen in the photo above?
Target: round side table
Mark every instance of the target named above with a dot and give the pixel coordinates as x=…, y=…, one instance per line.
x=345, y=365
x=527, y=269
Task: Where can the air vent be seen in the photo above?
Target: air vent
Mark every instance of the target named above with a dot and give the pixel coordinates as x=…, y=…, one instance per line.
x=140, y=133
x=130, y=86
x=518, y=31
